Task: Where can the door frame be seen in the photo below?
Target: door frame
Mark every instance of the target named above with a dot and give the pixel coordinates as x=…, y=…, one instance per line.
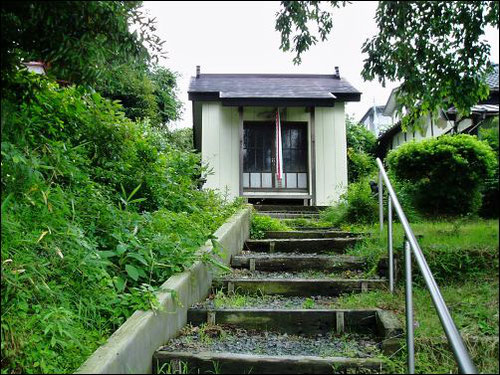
x=274, y=188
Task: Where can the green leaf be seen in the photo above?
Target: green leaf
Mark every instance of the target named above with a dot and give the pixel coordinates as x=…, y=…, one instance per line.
x=119, y=283
x=6, y=202
x=133, y=192
x=139, y=257
x=106, y=254
x=132, y=272
x=121, y=248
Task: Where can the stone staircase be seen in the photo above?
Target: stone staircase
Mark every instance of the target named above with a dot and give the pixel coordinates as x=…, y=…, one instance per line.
x=289, y=212
x=273, y=313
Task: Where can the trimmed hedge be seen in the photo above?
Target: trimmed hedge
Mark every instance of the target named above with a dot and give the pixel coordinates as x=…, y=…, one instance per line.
x=445, y=174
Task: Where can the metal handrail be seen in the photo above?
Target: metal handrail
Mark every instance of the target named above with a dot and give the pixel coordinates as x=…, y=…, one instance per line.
x=465, y=364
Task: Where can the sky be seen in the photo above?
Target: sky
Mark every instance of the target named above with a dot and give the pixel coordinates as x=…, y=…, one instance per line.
x=239, y=37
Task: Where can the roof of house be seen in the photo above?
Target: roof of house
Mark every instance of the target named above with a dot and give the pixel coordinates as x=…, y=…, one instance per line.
x=379, y=108
x=492, y=78
x=233, y=89
x=487, y=109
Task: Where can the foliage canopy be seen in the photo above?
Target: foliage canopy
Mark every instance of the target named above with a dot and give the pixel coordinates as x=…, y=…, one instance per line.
x=81, y=42
x=97, y=211
x=436, y=48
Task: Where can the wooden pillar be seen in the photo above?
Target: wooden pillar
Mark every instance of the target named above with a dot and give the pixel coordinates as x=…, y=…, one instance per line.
x=240, y=112
x=313, y=155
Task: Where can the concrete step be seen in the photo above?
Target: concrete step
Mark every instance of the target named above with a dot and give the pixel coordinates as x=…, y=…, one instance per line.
x=310, y=234
x=308, y=228
x=382, y=324
x=297, y=262
x=298, y=321
x=301, y=245
x=290, y=215
x=238, y=363
x=287, y=208
x=298, y=286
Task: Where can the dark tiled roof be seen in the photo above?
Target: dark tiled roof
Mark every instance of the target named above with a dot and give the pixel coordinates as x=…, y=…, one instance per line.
x=492, y=78
x=283, y=86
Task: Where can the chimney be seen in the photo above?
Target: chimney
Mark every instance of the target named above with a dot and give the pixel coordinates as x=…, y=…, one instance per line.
x=197, y=71
x=337, y=72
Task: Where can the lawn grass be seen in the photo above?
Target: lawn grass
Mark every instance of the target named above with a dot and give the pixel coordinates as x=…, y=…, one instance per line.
x=463, y=256
x=453, y=249
x=473, y=305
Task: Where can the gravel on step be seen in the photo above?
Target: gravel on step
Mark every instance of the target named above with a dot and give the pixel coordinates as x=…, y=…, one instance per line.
x=274, y=302
x=218, y=338
x=247, y=274
x=297, y=254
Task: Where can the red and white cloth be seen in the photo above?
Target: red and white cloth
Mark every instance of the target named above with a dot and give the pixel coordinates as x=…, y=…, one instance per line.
x=279, y=149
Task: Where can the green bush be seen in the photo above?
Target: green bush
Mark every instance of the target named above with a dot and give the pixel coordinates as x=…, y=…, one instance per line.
x=262, y=224
x=357, y=205
x=361, y=145
x=97, y=211
x=446, y=174
x=359, y=165
x=490, y=207
x=181, y=138
x=359, y=137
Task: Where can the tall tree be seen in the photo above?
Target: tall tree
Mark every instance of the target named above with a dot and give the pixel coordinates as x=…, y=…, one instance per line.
x=436, y=48
x=165, y=90
x=108, y=45
x=81, y=41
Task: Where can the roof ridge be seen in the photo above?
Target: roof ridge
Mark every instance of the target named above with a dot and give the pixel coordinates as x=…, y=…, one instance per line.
x=270, y=75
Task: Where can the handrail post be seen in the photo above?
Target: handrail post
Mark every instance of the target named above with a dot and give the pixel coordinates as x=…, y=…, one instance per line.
x=390, y=244
x=409, y=310
x=460, y=352
x=381, y=201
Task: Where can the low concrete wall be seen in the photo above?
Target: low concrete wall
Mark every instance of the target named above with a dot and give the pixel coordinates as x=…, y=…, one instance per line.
x=131, y=347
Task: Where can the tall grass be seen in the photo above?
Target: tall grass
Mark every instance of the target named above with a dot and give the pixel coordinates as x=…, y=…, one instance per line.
x=97, y=212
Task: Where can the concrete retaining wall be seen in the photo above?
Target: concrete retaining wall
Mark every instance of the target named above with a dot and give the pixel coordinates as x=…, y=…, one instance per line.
x=131, y=347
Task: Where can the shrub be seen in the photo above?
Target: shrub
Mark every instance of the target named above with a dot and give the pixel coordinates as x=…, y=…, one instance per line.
x=97, y=211
x=445, y=174
x=262, y=224
x=360, y=151
x=357, y=205
x=490, y=206
x=359, y=137
x=359, y=165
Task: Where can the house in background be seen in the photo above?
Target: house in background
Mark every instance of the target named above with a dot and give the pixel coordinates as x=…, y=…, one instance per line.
x=235, y=122
x=375, y=120
x=448, y=121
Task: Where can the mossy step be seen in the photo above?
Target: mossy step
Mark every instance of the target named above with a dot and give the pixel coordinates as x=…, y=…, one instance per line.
x=296, y=321
x=310, y=234
x=382, y=324
x=315, y=245
x=297, y=262
x=299, y=287
x=299, y=228
x=235, y=363
x=287, y=208
x=290, y=215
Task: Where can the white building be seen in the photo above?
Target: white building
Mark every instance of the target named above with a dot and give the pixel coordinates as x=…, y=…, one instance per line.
x=448, y=122
x=234, y=126
x=375, y=120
